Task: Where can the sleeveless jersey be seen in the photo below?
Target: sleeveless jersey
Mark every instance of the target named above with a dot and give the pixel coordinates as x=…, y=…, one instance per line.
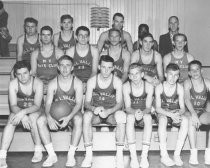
x=83, y=65
x=46, y=67
x=140, y=101
x=28, y=48
x=183, y=66
x=118, y=65
x=149, y=69
x=170, y=102
x=104, y=97
x=199, y=99
x=64, y=45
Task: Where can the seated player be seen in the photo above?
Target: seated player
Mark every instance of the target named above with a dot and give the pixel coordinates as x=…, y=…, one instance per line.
x=171, y=109
x=120, y=55
x=103, y=103
x=179, y=56
x=196, y=90
x=150, y=60
x=65, y=38
x=63, y=105
x=138, y=96
x=25, y=100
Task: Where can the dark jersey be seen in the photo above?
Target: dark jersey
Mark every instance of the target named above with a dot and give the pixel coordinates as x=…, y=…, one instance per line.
x=64, y=45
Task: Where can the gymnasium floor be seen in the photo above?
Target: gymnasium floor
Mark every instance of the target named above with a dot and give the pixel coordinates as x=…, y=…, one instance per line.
x=105, y=160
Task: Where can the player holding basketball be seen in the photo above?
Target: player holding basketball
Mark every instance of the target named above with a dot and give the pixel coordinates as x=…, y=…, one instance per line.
x=63, y=105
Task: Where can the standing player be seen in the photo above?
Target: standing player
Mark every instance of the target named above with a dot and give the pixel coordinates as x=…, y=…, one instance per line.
x=65, y=38
x=179, y=56
x=196, y=92
x=171, y=109
x=44, y=59
x=29, y=41
x=126, y=40
x=138, y=96
x=150, y=60
x=84, y=55
x=63, y=104
x=25, y=99
x=103, y=103
x=119, y=54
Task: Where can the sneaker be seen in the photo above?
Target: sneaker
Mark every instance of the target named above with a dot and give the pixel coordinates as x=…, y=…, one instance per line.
x=3, y=163
x=37, y=157
x=50, y=161
x=119, y=161
x=194, y=157
x=207, y=156
x=166, y=160
x=134, y=163
x=177, y=160
x=87, y=162
x=144, y=162
x=71, y=162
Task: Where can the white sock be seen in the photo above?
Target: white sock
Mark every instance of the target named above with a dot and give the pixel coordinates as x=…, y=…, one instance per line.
x=50, y=150
x=194, y=150
x=145, y=149
x=72, y=150
x=132, y=148
x=3, y=154
x=120, y=149
x=38, y=148
x=163, y=150
x=89, y=151
x=207, y=150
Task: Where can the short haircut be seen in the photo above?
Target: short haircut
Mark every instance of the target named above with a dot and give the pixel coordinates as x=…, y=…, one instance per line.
x=114, y=29
x=194, y=62
x=173, y=17
x=21, y=64
x=30, y=20
x=84, y=28
x=172, y=67
x=65, y=57
x=147, y=35
x=46, y=28
x=1, y=5
x=106, y=58
x=179, y=34
x=135, y=65
x=119, y=15
x=63, y=17
x=141, y=26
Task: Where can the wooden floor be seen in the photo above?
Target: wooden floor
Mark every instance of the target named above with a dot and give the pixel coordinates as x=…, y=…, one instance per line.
x=101, y=160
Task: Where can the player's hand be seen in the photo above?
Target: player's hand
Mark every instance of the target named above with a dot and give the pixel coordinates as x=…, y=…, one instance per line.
x=195, y=120
x=104, y=114
x=64, y=121
x=53, y=124
x=98, y=110
x=18, y=117
x=155, y=81
x=176, y=117
x=26, y=122
x=139, y=115
x=84, y=87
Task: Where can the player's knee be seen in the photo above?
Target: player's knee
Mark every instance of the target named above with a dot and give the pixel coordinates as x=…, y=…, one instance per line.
x=33, y=117
x=147, y=119
x=77, y=120
x=87, y=117
x=130, y=118
x=185, y=119
x=41, y=121
x=120, y=117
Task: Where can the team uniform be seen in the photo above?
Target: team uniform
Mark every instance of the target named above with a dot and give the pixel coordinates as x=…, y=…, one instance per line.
x=64, y=45
x=183, y=66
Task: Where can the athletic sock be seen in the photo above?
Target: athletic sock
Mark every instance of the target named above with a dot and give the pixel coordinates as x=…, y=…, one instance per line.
x=163, y=150
x=72, y=150
x=3, y=154
x=145, y=149
x=132, y=148
x=38, y=148
x=49, y=149
x=89, y=151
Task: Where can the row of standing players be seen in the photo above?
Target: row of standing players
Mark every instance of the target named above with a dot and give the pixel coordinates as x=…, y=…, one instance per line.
x=103, y=99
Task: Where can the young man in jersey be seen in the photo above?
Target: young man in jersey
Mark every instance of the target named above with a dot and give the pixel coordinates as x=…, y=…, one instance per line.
x=138, y=96
x=44, y=59
x=126, y=40
x=64, y=88
x=25, y=100
x=150, y=60
x=196, y=97
x=179, y=56
x=171, y=109
x=120, y=55
x=29, y=41
x=84, y=55
x=65, y=38
x=103, y=103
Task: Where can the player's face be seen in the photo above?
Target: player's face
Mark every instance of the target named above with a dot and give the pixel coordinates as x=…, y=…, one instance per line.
x=172, y=76
x=65, y=67
x=106, y=68
x=118, y=22
x=147, y=44
x=114, y=38
x=46, y=37
x=23, y=75
x=173, y=24
x=30, y=28
x=195, y=71
x=83, y=37
x=179, y=43
x=135, y=75
x=67, y=24
x=142, y=31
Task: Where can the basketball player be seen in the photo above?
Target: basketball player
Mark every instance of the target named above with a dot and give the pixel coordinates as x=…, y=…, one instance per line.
x=119, y=54
x=150, y=60
x=25, y=99
x=65, y=38
x=196, y=91
x=171, y=109
x=126, y=40
x=62, y=108
x=138, y=96
x=103, y=103
x=179, y=56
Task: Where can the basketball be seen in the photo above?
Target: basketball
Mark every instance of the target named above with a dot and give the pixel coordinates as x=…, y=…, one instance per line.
x=60, y=109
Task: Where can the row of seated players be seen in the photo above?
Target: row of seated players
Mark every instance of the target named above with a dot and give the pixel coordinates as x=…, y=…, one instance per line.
x=105, y=95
